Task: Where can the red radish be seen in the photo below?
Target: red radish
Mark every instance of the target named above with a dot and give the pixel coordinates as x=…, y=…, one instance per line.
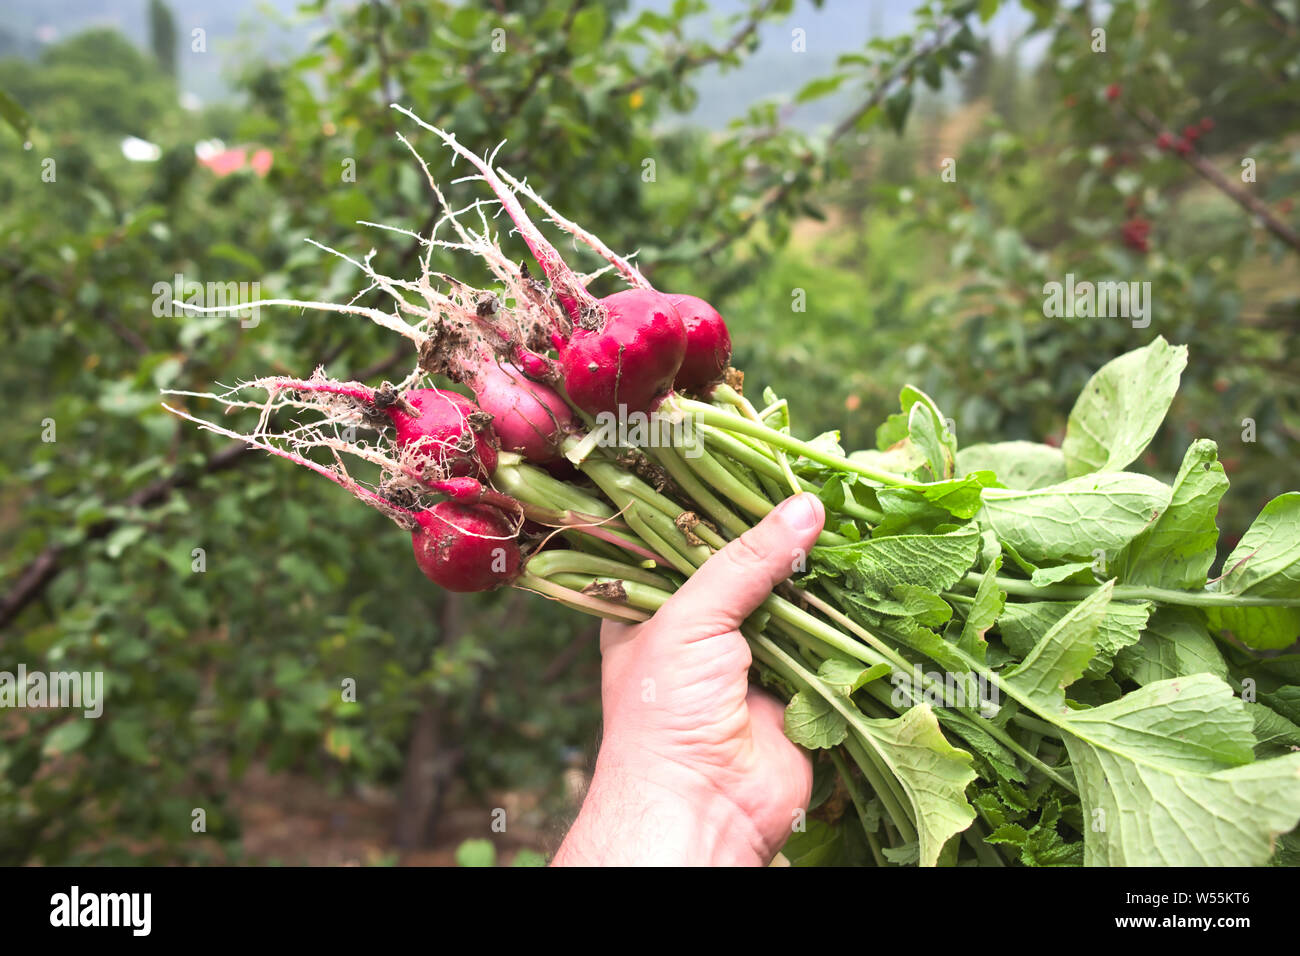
x=708, y=343
x=537, y=367
x=438, y=425
x=623, y=349
x=465, y=547
x=708, y=346
x=528, y=417
x=471, y=491
x=443, y=432
x=629, y=360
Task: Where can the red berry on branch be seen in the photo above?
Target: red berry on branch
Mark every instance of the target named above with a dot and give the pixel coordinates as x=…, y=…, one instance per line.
x=1134, y=234
x=1190, y=132
x=1207, y=124
x=1164, y=140
x=1113, y=92
x=1183, y=146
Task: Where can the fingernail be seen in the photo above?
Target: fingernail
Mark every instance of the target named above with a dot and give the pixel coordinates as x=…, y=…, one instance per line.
x=801, y=513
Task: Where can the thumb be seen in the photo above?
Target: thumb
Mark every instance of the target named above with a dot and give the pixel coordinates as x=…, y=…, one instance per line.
x=732, y=583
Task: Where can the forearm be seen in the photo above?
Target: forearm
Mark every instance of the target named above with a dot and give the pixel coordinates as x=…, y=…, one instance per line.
x=633, y=817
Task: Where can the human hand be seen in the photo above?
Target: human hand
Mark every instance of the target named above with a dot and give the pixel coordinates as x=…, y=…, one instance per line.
x=694, y=766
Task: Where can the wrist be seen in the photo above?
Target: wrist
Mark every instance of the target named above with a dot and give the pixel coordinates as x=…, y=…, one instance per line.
x=647, y=812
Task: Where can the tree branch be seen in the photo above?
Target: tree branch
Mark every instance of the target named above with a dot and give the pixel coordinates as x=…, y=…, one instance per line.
x=1208, y=172
x=546, y=62
x=778, y=195
x=47, y=565
x=685, y=63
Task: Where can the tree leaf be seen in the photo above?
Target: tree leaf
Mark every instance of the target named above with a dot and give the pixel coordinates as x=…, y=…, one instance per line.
x=130, y=739
x=588, y=29
x=13, y=113
x=897, y=107
x=476, y=853
x=1074, y=518
x=820, y=87
x=1177, y=551
x=67, y=737
x=1121, y=408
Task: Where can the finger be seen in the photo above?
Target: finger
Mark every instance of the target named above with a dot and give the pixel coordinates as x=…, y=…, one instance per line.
x=767, y=720
x=731, y=584
x=615, y=633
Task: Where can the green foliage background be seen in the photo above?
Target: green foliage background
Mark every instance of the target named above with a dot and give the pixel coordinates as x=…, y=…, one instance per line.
x=898, y=274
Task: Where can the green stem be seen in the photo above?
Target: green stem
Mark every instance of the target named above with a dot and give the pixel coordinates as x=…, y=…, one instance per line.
x=986, y=853
x=772, y=655
x=708, y=415
x=804, y=622
x=619, y=485
x=1036, y=726
x=772, y=409
x=555, y=503
x=727, y=393
x=714, y=473
x=674, y=462
x=579, y=601
x=547, y=563
x=531, y=484
x=711, y=471
x=1134, y=592
x=859, y=803
x=992, y=729
x=758, y=462
x=674, y=551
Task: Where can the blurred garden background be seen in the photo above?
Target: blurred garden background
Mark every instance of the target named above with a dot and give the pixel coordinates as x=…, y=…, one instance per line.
x=874, y=193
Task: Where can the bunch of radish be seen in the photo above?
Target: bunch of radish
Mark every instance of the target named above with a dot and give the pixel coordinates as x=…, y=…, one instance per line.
x=489, y=453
